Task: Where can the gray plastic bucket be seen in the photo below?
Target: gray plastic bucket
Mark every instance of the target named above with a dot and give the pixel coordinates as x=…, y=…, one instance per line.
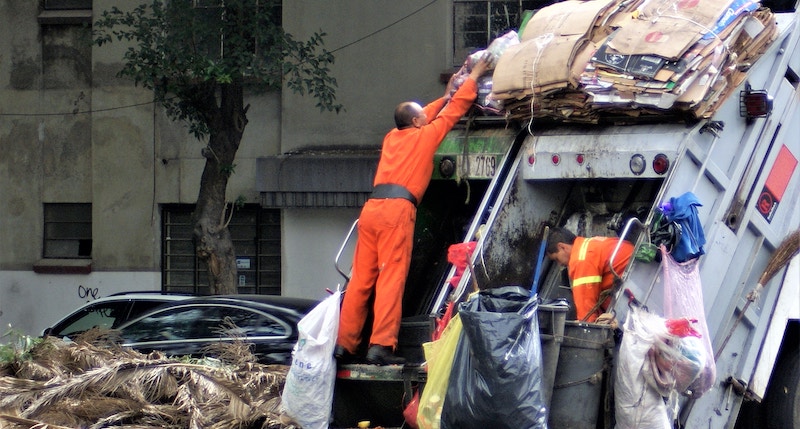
x=581, y=369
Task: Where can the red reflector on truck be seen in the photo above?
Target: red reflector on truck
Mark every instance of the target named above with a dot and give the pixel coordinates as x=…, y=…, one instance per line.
x=660, y=163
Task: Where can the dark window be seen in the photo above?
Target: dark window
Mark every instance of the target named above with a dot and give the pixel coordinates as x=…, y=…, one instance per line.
x=212, y=12
x=256, y=235
x=67, y=230
x=477, y=22
x=67, y=4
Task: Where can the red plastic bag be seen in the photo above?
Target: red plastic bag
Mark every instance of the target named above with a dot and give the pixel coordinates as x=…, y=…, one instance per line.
x=410, y=411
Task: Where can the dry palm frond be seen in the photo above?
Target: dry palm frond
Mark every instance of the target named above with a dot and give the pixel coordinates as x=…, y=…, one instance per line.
x=17, y=392
x=19, y=422
x=96, y=385
x=101, y=380
x=235, y=353
x=149, y=416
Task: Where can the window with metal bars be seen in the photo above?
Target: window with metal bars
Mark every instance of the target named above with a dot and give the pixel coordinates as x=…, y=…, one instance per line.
x=67, y=230
x=256, y=235
x=477, y=22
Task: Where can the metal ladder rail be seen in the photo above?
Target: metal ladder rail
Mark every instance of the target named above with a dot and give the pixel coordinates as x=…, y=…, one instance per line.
x=484, y=212
x=642, y=238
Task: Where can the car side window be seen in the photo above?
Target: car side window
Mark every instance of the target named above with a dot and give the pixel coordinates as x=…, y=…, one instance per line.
x=202, y=322
x=256, y=324
x=138, y=308
x=170, y=324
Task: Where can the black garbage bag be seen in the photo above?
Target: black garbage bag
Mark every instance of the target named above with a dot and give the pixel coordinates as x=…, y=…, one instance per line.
x=496, y=377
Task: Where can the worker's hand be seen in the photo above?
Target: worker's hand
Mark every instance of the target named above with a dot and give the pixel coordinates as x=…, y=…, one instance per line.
x=481, y=66
x=607, y=319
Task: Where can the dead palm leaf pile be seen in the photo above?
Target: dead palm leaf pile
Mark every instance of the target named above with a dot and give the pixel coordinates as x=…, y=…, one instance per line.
x=93, y=383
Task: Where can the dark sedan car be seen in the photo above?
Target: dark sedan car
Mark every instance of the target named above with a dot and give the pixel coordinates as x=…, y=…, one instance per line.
x=188, y=327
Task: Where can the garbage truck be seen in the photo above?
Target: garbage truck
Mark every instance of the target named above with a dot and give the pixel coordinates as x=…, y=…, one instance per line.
x=503, y=183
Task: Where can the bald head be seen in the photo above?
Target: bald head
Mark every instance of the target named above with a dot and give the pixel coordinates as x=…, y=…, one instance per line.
x=405, y=113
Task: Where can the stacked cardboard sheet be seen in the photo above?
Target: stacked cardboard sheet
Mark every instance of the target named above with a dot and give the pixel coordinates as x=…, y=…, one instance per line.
x=582, y=61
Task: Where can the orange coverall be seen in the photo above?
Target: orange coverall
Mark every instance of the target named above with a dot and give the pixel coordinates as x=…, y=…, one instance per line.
x=590, y=274
x=386, y=226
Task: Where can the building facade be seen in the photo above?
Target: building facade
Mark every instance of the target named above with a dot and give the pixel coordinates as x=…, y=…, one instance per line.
x=97, y=184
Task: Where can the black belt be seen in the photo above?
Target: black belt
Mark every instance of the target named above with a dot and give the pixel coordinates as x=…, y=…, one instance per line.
x=390, y=190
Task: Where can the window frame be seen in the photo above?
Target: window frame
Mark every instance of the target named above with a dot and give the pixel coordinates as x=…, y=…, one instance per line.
x=53, y=219
x=461, y=22
x=256, y=235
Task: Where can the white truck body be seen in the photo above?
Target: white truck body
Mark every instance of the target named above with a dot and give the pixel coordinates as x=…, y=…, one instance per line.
x=580, y=176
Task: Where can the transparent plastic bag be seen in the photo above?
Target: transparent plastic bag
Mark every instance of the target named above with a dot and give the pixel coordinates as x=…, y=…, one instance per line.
x=683, y=298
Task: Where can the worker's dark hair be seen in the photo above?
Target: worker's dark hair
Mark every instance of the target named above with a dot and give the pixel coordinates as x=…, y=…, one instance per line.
x=404, y=114
x=558, y=235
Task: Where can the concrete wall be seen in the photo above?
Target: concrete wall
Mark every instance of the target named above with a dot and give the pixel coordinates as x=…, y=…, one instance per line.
x=121, y=153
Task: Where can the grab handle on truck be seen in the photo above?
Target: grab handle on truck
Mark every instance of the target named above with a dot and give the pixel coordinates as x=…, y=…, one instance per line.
x=341, y=249
x=624, y=234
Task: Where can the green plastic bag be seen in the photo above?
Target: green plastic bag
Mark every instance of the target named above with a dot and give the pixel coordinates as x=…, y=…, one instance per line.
x=439, y=355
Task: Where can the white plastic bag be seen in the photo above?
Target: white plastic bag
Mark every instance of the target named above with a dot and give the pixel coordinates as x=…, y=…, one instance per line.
x=308, y=393
x=637, y=404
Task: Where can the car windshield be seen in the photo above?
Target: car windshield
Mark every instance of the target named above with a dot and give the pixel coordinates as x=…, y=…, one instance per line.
x=101, y=315
x=206, y=321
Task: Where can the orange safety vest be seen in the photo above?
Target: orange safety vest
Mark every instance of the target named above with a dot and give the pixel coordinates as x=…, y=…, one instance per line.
x=590, y=273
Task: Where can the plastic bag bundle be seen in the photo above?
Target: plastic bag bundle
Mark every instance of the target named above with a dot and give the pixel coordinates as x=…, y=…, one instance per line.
x=496, y=376
x=636, y=403
x=683, y=298
x=308, y=393
x=675, y=359
x=485, y=100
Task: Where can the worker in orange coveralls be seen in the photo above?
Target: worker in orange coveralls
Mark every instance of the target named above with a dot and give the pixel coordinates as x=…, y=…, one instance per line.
x=587, y=262
x=386, y=224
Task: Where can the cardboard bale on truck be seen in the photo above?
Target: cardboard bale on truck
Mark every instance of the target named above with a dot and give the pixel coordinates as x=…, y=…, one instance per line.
x=582, y=60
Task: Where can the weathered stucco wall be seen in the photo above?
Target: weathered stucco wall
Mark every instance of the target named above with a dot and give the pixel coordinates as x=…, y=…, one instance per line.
x=71, y=131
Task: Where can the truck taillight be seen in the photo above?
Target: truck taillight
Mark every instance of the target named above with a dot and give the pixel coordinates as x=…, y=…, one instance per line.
x=531, y=159
x=579, y=158
x=660, y=163
x=637, y=164
x=556, y=158
x=754, y=104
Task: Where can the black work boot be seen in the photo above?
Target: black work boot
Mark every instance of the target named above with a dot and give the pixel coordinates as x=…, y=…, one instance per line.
x=343, y=356
x=383, y=355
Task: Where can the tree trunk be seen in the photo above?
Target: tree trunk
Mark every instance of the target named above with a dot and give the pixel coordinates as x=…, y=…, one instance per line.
x=212, y=237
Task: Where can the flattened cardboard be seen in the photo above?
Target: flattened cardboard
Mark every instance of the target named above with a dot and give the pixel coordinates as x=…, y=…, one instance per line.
x=705, y=13
x=667, y=38
x=570, y=17
x=538, y=62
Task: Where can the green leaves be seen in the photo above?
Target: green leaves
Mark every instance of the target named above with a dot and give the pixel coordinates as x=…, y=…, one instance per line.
x=178, y=50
